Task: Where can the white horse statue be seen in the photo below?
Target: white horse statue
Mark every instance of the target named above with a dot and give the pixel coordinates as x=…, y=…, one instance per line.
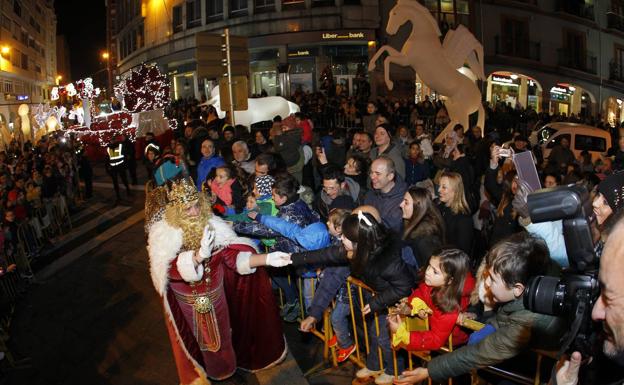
x=258, y=109
x=437, y=63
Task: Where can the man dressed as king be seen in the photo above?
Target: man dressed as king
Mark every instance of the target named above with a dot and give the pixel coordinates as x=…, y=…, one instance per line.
x=219, y=307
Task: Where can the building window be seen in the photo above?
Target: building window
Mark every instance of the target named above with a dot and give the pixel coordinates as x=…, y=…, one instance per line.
x=193, y=13
x=449, y=13
x=17, y=8
x=616, y=66
x=38, y=68
x=574, y=52
x=265, y=5
x=25, y=38
x=7, y=86
x=580, y=8
x=214, y=9
x=24, y=61
x=238, y=7
x=515, y=37
x=177, y=19
x=141, y=36
x=6, y=22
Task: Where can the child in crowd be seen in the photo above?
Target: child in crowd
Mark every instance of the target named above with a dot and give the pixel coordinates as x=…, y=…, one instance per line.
x=415, y=167
x=443, y=294
x=332, y=285
x=228, y=191
x=510, y=264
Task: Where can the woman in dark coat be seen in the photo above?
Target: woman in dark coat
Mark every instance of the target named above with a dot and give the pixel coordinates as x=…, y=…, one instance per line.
x=456, y=212
x=374, y=254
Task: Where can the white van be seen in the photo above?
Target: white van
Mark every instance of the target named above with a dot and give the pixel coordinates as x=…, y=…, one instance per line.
x=581, y=137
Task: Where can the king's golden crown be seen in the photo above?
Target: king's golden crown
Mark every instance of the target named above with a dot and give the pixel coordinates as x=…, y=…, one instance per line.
x=182, y=192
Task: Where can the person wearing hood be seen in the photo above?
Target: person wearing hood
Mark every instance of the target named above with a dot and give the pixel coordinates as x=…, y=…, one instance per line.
x=338, y=192
x=387, y=192
x=385, y=146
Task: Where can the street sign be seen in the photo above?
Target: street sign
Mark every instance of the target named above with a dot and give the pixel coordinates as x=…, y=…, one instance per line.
x=239, y=90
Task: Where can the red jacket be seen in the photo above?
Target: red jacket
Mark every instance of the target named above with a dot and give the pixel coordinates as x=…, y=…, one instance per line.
x=441, y=325
x=306, y=135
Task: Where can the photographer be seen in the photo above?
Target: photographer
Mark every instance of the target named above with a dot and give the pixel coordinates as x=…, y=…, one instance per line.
x=607, y=203
x=608, y=309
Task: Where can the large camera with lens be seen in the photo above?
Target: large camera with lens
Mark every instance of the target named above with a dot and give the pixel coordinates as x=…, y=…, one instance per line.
x=573, y=295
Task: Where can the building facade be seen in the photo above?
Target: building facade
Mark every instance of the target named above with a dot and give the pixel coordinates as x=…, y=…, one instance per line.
x=289, y=43
x=559, y=56
x=28, y=64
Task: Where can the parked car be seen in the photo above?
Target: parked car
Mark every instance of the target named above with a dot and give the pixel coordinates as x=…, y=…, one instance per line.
x=581, y=137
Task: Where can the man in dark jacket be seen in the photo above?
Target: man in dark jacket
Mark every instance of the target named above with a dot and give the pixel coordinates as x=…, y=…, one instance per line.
x=338, y=192
x=387, y=193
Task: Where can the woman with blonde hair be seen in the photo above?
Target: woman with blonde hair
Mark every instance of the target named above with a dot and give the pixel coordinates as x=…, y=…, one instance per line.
x=455, y=211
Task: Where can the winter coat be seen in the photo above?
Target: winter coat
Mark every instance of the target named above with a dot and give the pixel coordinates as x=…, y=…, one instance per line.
x=441, y=325
x=506, y=224
x=205, y=166
x=415, y=171
x=387, y=274
x=459, y=228
x=388, y=204
x=311, y=237
x=517, y=329
x=288, y=146
x=297, y=213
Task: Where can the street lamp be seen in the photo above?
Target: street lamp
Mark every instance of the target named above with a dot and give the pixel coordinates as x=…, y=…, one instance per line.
x=4, y=51
x=106, y=57
x=58, y=79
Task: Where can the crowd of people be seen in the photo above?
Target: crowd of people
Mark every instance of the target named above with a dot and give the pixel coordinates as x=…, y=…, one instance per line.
x=438, y=230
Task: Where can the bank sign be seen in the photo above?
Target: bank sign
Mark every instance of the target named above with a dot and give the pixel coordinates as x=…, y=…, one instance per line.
x=343, y=36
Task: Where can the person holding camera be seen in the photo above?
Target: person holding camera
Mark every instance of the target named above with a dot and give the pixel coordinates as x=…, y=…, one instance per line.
x=608, y=309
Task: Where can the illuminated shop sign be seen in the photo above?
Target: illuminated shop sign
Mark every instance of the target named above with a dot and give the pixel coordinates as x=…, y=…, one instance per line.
x=502, y=79
x=299, y=53
x=343, y=35
x=22, y=97
x=562, y=90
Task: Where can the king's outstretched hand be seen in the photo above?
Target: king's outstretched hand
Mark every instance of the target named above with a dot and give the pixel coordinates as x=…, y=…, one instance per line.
x=278, y=259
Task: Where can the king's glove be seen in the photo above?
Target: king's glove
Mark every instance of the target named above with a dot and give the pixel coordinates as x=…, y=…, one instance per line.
x=278, y=259
x=207, y=241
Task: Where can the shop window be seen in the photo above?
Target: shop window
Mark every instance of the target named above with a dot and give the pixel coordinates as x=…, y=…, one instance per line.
x=214, y=9
x=238, y=7
x=193, y=13
x=177, y=19
x=265, y=5
x=590, y=143
x=558, y=140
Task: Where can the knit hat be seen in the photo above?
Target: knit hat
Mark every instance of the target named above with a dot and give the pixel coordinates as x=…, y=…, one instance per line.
x=612, y=188
x=388, y=127
x=264, y=184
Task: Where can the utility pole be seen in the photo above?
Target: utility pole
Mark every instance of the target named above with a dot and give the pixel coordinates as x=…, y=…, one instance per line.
x=228, y=62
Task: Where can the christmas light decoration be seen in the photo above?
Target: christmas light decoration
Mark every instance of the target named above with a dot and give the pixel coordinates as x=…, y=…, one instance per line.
x=145, y=89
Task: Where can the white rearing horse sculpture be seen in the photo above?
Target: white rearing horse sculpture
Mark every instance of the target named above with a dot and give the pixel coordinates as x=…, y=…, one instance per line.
x=258, y=109
x=437, y=63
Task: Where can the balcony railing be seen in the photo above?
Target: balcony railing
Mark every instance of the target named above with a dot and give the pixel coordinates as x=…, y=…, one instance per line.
x=576, y=8
x=615, y=21
x=518, y=48
x=582, y=62
x=616, y=71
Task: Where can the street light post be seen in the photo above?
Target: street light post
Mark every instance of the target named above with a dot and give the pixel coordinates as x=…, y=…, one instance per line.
x=106, y=57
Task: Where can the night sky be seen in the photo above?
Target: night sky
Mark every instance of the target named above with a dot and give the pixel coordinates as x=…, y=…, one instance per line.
x=84, y=25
